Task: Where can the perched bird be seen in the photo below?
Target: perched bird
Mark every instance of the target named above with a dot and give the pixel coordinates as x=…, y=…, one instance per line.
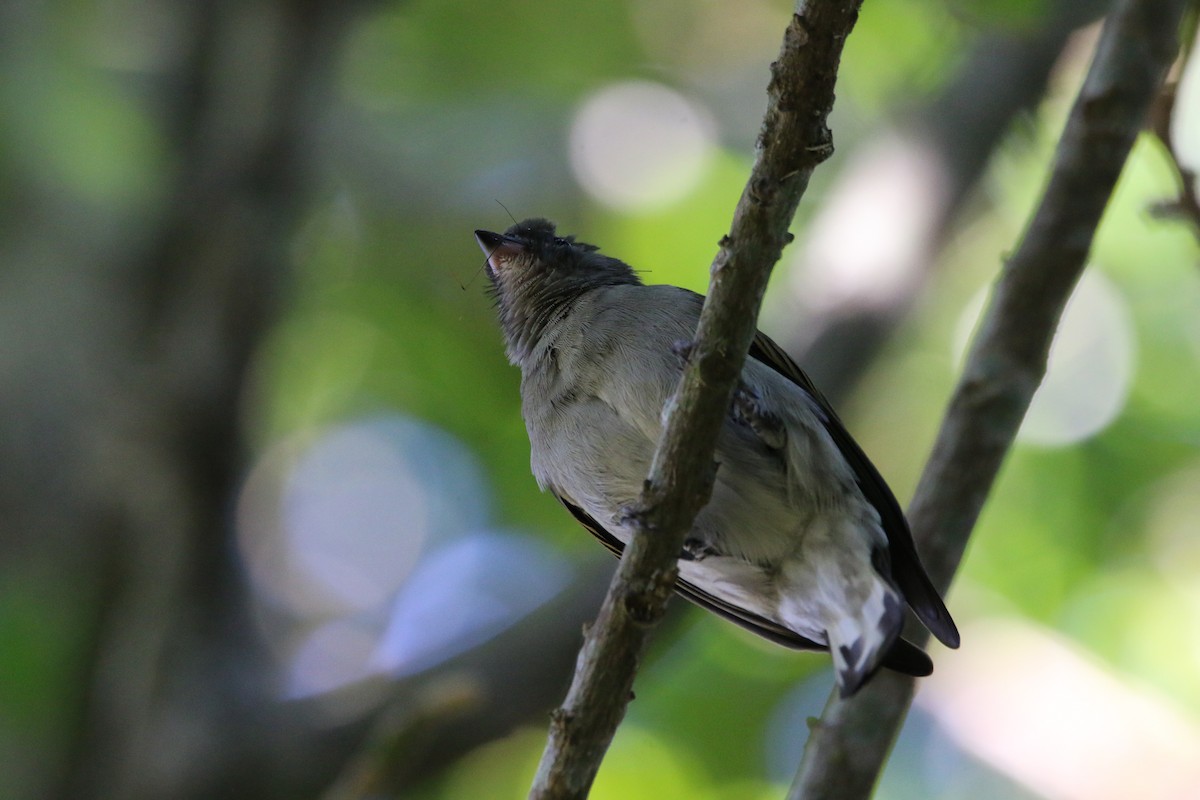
x=802, y=542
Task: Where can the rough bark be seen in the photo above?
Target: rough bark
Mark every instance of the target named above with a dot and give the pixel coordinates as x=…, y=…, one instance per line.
x=793, y=140
x=847, y=747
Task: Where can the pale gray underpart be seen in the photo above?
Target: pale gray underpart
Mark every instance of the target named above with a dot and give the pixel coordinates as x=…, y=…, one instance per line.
x=787, y=535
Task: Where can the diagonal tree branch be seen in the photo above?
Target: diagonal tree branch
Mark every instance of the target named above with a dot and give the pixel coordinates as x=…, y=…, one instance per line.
x=794, y=139
x=847, y=747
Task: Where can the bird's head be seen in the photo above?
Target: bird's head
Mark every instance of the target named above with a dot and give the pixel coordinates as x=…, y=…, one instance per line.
x=537, y=276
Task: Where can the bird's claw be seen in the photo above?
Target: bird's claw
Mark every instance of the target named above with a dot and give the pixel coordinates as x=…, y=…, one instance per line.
x=683, y=349
x=748, y=409
x=696, y=550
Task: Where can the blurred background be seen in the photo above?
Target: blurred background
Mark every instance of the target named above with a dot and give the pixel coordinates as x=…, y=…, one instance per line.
x=267, y=528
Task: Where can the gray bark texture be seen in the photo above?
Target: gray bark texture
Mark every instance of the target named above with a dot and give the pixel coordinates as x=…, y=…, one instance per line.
x=847, y=747
x=793, y=140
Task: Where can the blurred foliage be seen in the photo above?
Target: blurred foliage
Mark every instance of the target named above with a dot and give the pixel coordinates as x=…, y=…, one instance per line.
x=443, y=111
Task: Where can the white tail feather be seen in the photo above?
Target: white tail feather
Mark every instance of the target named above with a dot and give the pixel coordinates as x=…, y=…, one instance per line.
x=833, y=593
x=860, y=637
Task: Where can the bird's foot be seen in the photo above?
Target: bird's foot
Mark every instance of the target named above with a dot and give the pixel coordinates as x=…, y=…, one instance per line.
x=748, y=409
x=683, y=348
x=696, y=550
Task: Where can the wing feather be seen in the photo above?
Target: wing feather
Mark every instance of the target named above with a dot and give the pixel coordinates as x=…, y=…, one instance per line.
x=904, y=656
x=907, y=570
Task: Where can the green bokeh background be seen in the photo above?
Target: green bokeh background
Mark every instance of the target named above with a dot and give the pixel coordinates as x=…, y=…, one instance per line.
x=441, y=111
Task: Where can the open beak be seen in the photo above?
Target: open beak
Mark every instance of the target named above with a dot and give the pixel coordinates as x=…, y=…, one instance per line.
x=498, y=248
x=488, y=241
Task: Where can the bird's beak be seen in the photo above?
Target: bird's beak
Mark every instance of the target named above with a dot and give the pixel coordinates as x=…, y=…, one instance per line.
x=498, y=248
x=488, y=241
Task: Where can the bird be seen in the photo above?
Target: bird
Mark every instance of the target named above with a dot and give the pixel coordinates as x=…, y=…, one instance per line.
x=802, y=541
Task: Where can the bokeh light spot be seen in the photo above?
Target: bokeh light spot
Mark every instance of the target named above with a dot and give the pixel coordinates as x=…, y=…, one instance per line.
x=640, y=146
x=465, y=593
x=1185, y=121
x=1049, y=715
x=1091, y=365
x=331, y=656
x=1172, y=527
x=896, y=189
x=336, y=525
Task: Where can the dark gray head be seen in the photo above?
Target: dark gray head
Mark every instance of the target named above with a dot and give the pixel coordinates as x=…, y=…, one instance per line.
x=537, y=276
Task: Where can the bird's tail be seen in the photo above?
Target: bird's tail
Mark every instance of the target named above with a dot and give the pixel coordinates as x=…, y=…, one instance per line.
x=861, y=635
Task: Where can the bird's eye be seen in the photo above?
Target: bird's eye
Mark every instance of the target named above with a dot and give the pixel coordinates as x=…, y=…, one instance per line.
x=560, y=242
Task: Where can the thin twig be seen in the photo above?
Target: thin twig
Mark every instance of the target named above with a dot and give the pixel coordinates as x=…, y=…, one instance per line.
x=794, y=139
x=847, y=747
x=1186, y=206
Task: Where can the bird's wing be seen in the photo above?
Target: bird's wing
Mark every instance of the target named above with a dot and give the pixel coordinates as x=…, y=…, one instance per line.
x=749, y=620
x=903, y=657
x=907, y=570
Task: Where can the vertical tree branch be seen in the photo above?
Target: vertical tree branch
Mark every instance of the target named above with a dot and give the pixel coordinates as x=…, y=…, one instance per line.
x=157, y=448
x=847, y=747
x=794, y=139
